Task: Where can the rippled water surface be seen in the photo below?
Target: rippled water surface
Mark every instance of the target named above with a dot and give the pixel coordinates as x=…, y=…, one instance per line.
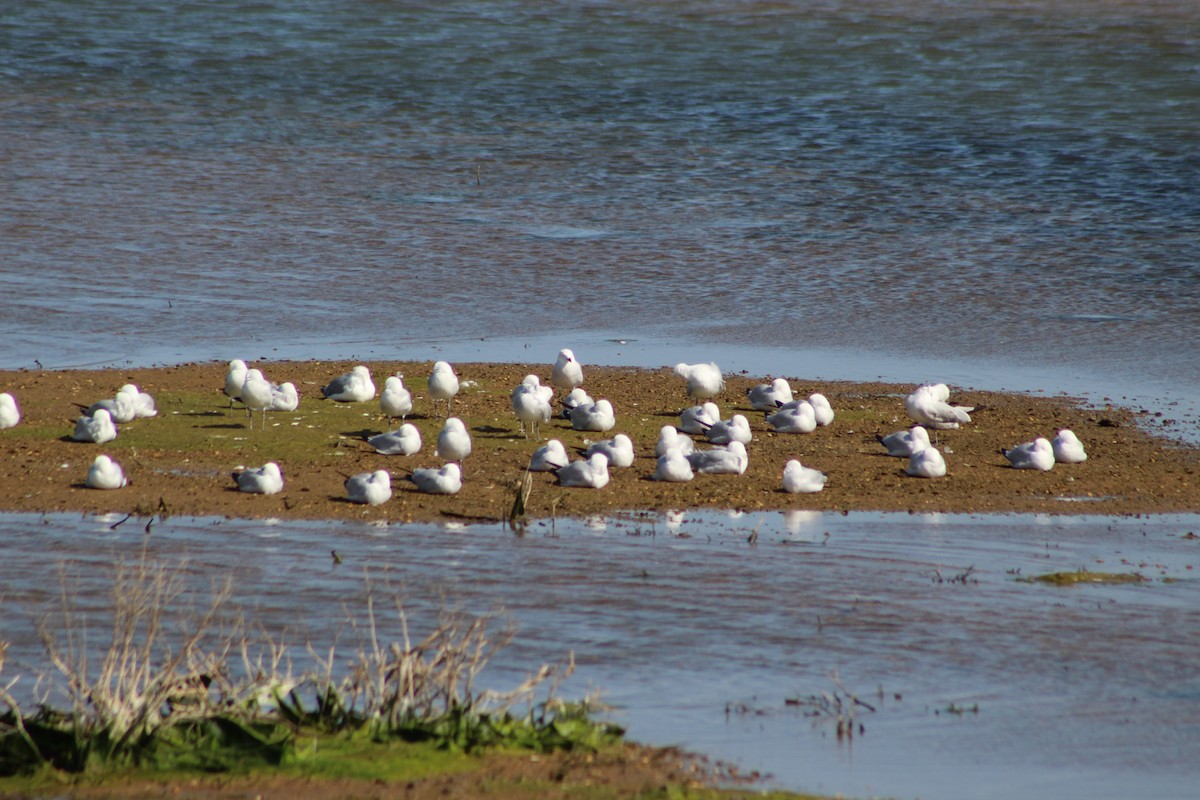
x=1019, y=177
x=697, y=636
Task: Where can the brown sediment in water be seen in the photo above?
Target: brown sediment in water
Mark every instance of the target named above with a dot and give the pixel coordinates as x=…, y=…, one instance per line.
x=181, y=461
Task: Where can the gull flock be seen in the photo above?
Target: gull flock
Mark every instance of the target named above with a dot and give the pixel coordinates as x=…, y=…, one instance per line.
x=677, y=456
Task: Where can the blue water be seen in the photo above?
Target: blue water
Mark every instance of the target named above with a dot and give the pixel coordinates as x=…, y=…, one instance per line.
x=1004, y=195
x=696, y=636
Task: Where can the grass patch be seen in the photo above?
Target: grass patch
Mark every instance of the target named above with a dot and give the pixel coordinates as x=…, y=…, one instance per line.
x=1083, y=576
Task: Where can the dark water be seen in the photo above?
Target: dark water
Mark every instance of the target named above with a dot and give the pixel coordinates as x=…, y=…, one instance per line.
x=988, y=180
x=698, y=637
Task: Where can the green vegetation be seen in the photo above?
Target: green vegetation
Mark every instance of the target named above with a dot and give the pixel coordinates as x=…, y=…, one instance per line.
x=1085, y=576
x=174, y=689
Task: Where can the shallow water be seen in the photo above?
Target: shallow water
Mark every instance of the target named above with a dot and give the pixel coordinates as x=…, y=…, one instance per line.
x=698, y=637
x=980, y=180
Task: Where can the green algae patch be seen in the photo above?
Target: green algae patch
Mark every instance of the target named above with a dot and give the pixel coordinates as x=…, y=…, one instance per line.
x=1083, y=576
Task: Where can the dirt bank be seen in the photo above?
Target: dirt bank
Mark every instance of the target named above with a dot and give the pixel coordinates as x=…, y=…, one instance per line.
x=182, y=459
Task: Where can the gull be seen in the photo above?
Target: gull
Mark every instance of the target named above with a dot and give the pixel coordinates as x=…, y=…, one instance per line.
x=355, y=386
x=591, y=473
x=121, y=409
x=769, y=396
x=728, y=460
x=619, y=450
x=404, y=441
x=821, y=409
x=550, y=457
x=798, y=417
x=266, y=479
x=258, y=394
x=447, y=480
x=143, y=402
x=734, y=429
x=704, y=381
x=567, y=372
x=531, y=404
x=371, y=488
x=235, y=376
x=597, y=416
x=1067, y=448
x=10, y=415
x=904, y=443
x=575, y=398
x=396, y=400
x=443, y=384
x=673, y=467
x=454, y=442
x=927, y=463
x=96, y=428
x=699, y=419
x=669, y=438
x=799, y=479
x=1038, y=454
x=284, y=397
x=105, y=474
x=927, y=405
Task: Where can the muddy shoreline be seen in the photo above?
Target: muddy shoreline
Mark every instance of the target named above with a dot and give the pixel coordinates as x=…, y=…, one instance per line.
x=181, y=461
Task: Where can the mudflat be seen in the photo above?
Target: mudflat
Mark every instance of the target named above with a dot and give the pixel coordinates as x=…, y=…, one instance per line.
x=182, y=460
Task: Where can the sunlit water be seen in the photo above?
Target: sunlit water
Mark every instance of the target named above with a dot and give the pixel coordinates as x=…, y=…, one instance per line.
x=1001, y=195
x=698, y=636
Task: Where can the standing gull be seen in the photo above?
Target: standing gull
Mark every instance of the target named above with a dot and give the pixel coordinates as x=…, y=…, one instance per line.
x=258, y=394
x=443, y=384
x=567, y=372
x=704, y=381
x=235, y=376
x=396, y=400
x=531, y=404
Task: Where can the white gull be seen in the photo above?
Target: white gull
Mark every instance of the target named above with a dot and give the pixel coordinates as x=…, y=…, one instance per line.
x=105, y=474
x=799, y=479
x=267, y=479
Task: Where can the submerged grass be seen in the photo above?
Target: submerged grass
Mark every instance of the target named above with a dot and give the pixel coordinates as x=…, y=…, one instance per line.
x=1083, y=576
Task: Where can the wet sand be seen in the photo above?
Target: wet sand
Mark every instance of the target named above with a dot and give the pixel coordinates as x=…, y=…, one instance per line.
x=181, y=461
